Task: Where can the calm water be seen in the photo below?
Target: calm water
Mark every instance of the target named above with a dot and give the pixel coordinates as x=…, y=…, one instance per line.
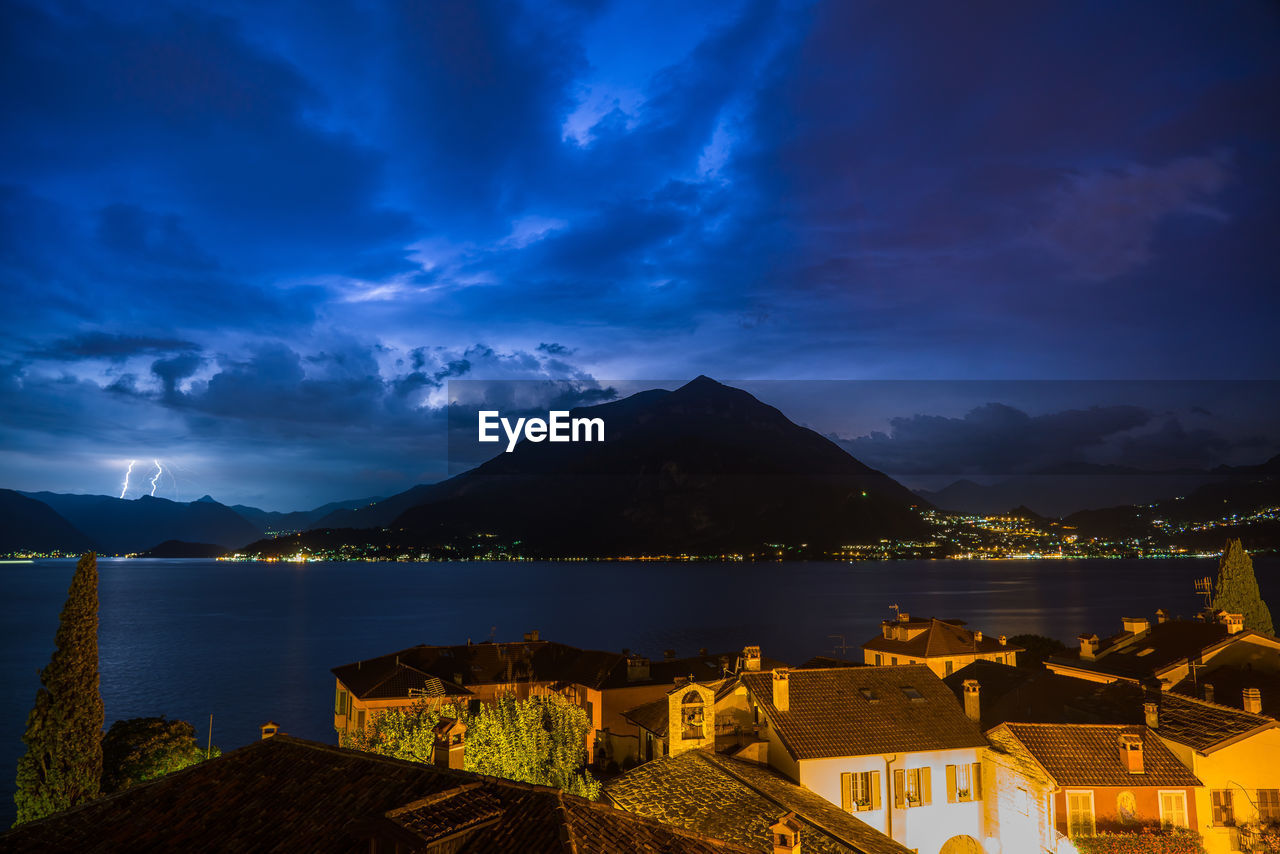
x=252, y=642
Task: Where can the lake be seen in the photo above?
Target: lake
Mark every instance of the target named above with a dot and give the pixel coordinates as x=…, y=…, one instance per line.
x=250, y=642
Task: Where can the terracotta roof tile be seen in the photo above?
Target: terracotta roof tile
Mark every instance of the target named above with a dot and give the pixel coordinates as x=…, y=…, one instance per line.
x=1089, y=755
x=737, y=801
x=939, y=638
x=829, y=715
x=286, y=794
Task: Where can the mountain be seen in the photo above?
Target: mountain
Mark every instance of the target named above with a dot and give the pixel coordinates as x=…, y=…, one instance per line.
x=1061, y=493
x=378, y=513
x=1242, y=505
x=703, y=469
x=32, y=525
x=298, y=520
x=179, y=549
x=122, y=526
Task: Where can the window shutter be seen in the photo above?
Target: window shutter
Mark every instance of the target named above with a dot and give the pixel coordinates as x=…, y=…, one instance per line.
x=846, y=795
x=926, y=788
x=899, y=786
x=975, y=781
x=951, y=784
x=875, y=790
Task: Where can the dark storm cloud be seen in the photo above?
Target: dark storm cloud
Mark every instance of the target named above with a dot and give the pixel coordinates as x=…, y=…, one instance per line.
x=997, y=439
x=102, y=345
x=304, y=195
x=992, y=439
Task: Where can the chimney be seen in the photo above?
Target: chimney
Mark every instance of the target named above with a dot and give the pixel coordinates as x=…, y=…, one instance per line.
x=531, y=636
x=977, y=637
x=1004, y=640
x=1252, y=701
x=1151, y=714
x=1135, y=625
x=904, y=617
x=1162, y=616
x=782, y=689
x=669, y=654
x=269, y=729
x=785, y=835
x=1233, y=622
x=1088, y=647
x=637, y=669
x=702, y=650
x=1208, y=692
x=972, y=709
x=450, y=743
x=1131, y=752
x=751, y=658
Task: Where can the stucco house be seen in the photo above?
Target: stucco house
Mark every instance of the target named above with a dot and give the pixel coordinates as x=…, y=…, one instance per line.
x=1076, y=780
x=944, y=645
x=890, y=745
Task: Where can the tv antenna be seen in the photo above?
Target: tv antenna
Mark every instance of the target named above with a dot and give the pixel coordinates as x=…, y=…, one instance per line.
x=897, y=612
x=842, y=647
x=1204, y=587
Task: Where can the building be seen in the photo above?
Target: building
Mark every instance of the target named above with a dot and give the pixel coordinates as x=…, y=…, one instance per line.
x=1234, y=753
x=944, y=645
x=1074, y=780
x=286, y=794
x=603, y=684
x=740, y=802
x=1182, y=653
x=888, y=744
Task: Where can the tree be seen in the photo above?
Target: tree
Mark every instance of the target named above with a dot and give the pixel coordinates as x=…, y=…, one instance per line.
x=541, y=740
x=1237, y=589
x=1037, y=649
x=63, y=763
x=141, y=749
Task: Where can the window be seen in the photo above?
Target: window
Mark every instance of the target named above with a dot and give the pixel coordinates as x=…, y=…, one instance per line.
x=912, y=788
x=964, y=783
x=1223, y=811
x=340, y=703
x=951, y=667
x=1022, y=801
x=1080, y=814
x=912, y=693
x=360, y=719
x=869, y=695
x=1173, y=808
x=1268, y=805
x=879, y=658
x=893, y=659
x=860, y=790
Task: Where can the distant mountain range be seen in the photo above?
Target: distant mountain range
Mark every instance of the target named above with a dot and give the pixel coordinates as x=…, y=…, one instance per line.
x=703, y=469
x=1064, y=490
x=51, y=521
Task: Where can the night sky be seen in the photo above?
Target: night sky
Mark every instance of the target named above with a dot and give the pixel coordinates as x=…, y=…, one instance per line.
x=255, y=243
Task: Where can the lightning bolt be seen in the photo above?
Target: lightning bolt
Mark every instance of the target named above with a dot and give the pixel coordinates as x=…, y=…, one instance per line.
x=128, y=472
x=159, y=471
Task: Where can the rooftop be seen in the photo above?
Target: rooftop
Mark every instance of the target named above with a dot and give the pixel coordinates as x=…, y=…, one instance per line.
x=1088, y=754
x=455, y=670
x=858, y=711
x=934, y=638
x=737, y=801
x=1135, y=656
x=287, y=794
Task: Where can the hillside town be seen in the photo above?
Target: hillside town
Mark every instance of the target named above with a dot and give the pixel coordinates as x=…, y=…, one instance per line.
x=1158, y=734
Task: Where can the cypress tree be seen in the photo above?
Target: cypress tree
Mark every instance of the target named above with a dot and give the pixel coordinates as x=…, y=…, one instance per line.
x=1237, y=590
x=63, y=763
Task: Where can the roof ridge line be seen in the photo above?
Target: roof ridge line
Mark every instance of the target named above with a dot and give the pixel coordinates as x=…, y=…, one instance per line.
x=771, y=799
